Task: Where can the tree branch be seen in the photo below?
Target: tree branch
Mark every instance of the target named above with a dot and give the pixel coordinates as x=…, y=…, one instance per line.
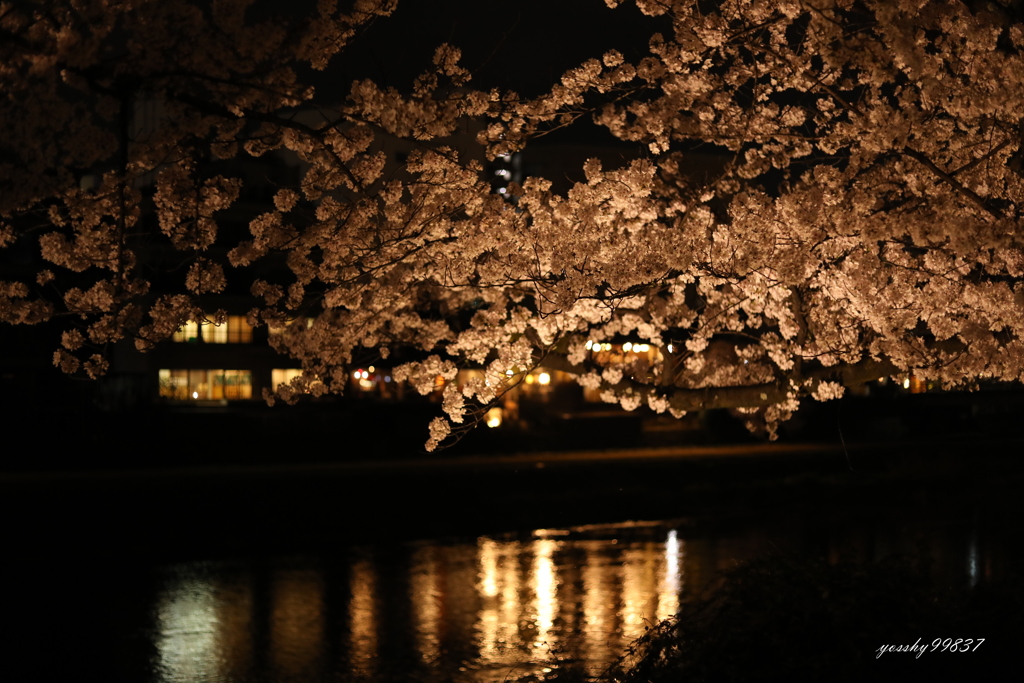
x=950, y=180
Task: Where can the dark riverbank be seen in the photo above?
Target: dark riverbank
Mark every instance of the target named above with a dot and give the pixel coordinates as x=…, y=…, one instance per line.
x=72, y=432
x=224, y=508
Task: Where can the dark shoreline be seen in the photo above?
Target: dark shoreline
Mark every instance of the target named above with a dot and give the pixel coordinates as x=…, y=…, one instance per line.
x=234, y=509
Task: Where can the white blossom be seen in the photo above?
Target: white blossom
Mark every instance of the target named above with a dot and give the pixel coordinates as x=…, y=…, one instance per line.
x=864, y=221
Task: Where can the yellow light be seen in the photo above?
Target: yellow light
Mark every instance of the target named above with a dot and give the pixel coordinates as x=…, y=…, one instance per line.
x=372, y=369
x=906, y=383
x=530, y=379
x=627, y=347
x=195, y=394
x=509, y=373
x=544, y=580
x=494, y=417
x=590, y=343
x=544, y=378
x=642, y=348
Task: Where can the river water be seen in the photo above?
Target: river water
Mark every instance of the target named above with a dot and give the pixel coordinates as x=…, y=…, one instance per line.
x=444, y=574
x=490, y=609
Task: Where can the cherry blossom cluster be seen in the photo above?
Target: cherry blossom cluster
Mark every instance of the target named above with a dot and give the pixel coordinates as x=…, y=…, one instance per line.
x=829, y=192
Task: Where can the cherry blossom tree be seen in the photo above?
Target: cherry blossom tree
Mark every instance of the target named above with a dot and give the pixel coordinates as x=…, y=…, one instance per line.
x=862, y=219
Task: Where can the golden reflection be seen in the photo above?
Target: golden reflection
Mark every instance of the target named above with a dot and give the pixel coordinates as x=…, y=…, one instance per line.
x=601, y=600
x=544, y=582
x=488, y=552
x=494, y=604
x=672, y=579
x=425, y=595
x=362, y=612
x=501, y=608
x=296, y=623
x=484, y=608
x=639, y=589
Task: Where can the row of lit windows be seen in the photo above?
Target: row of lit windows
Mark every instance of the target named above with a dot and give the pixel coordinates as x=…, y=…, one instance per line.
x=236, y=330
x=205, y=385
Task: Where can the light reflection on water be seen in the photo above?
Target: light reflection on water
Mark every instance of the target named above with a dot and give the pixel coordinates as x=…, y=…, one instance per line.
x=362, y=617
x=489, y=610
x=189, y=631
x=465, y=611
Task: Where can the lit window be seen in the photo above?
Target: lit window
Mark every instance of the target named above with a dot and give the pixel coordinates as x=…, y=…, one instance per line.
x=189, y=332
x=233, y=384
x=278, y=329
x=239, y=330
x=236, y=330
x=215, y=334
x=279, y=376
x=205, y=385
x=174, y=384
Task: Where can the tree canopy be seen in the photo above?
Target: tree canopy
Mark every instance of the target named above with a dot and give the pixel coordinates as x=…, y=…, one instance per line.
x=861, y=219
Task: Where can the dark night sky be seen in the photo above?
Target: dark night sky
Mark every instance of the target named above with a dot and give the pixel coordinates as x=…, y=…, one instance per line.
x=524, y=46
